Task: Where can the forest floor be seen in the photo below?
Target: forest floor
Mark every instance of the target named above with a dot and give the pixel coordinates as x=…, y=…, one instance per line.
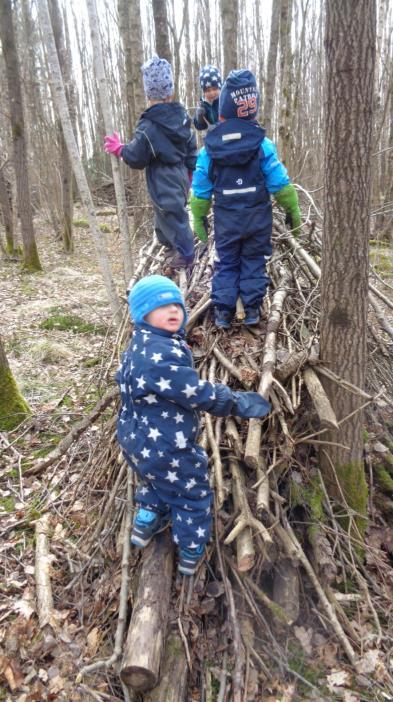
x=59, y=338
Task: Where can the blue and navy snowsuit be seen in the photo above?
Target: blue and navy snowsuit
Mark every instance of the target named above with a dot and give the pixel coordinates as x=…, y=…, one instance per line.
x=211, y=110
x=240, y=166
x=165, y=145
x=158, y=428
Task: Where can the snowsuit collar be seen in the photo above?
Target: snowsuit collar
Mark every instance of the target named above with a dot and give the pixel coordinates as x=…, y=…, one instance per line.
x=234, y=141
x=161, y=332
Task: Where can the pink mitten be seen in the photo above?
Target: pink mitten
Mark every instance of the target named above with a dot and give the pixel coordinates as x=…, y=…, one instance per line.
x=113, y=144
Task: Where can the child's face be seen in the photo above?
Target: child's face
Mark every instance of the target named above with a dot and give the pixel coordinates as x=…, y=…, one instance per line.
x=167, y=317
x=210, y=94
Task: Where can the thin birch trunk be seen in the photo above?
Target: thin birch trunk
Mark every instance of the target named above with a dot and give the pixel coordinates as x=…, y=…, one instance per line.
x=108, y=123
x=31, y=261
x=84, y=191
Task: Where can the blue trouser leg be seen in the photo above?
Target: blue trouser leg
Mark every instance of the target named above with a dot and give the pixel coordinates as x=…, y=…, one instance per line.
x=253, y=277
x=173, y=229
x=180, y=484
x=147, y=497
x=225, y=283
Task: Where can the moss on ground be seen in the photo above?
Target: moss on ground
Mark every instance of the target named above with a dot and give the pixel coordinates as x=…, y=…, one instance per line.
x=105, y=228
x=71, y=322
x=382, y=262
x=81, y=223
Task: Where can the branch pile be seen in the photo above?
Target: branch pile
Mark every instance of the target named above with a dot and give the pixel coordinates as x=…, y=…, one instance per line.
x=285, y=604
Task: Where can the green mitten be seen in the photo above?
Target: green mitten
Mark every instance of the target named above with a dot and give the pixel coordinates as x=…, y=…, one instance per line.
x=199, y=209
x=287, y=199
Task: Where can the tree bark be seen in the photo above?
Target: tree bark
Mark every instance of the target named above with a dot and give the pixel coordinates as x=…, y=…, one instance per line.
x=108, y=123
x=83, y=187
x=271, y=70
x=31, y=259
x=6, y=210
x=285, y=136
x=350, y=56
x=13, y=408
x=173, y=678
x=66, y=215
x=161, y=27
x=229, y=10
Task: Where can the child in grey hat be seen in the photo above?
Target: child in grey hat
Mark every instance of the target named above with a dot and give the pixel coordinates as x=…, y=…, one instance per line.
x=165, y=146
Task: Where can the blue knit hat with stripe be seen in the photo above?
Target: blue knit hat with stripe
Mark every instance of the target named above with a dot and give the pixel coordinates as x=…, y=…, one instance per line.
x=239, y=96
x=151, y=292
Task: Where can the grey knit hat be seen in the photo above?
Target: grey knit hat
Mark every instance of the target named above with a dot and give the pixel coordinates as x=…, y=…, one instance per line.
x=157, y=78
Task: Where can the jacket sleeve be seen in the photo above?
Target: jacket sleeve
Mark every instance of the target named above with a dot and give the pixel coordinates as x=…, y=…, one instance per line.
x=172, y=378
x=139, y=152
x=202, y=186
x=191, y=156
x=276, y=175
x=199, y=117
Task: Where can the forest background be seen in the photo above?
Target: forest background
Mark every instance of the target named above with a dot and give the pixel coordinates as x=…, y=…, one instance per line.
x=66, y=255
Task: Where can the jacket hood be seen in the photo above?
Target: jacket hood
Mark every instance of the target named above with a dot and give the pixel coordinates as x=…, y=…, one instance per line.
x=172, y=119
x=234, y=141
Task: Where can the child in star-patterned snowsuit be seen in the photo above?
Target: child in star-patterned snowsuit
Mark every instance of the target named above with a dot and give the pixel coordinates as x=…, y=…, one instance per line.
x=158, y=422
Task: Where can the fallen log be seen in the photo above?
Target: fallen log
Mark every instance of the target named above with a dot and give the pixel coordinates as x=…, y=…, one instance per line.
x=45, y=609
x=146, y=634
x=174, y=676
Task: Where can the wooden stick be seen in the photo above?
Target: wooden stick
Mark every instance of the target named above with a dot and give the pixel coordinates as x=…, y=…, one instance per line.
x=244, y=543
x=230, y=367
x=75, y=433
x=295, y=550
x=246, y=518
x=46, y=613
x=319, y=398
x=251, y=455
x=263, y=487
x=240, y=313
x=146, y=634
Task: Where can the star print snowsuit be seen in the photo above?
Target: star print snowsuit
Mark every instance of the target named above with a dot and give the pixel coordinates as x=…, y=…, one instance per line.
x=158, y=427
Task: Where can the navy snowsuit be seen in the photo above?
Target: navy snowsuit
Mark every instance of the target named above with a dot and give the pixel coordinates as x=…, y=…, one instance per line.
x=240, y=167
x=165, y=145
x=158, y=428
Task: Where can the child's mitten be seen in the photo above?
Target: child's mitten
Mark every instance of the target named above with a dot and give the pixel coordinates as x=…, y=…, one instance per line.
x=113, y=144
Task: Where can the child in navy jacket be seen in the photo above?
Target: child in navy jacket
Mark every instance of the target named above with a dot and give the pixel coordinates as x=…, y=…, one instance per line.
x=158, y=422
x=165, y=146
x=240, y=167
x=206, y=114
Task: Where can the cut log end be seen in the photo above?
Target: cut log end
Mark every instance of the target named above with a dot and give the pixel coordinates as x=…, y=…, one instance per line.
x=139, y=679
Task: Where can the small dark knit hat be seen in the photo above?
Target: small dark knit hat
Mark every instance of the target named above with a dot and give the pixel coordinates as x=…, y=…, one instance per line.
x=239, y=95
x=209, y=77
x=153, y=291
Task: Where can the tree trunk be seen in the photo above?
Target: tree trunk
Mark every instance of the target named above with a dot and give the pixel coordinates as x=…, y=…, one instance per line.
x=229, y=10
x=108, y=123
x=31, y=261
x=84, y=191
x=285, y=136
x=66, y=215
x=350, y=56
x=271, y=70
x=6, y=210
x=13, y=408
x=163, y=46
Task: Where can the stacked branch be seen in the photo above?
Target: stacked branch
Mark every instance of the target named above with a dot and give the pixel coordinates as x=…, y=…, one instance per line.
x=259, y=469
